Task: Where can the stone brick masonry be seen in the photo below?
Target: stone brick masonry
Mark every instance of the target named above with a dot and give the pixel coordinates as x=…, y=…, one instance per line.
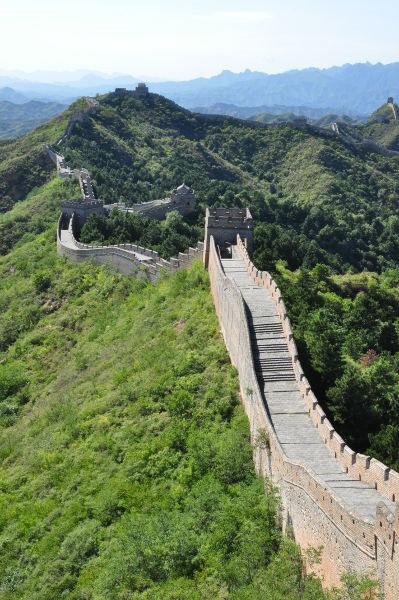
x=332, y=498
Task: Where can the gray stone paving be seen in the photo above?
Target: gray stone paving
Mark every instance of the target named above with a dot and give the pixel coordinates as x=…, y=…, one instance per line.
x=298, y=436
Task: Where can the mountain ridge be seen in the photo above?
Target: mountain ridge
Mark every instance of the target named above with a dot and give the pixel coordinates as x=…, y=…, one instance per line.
x=354, y=89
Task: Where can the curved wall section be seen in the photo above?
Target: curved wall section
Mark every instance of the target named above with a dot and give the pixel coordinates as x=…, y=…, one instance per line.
x=128, y=259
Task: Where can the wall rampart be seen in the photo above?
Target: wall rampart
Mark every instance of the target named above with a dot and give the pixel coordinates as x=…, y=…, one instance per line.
x=128, y=259
x=374, y=542
x=364, y=468
x=317, y=515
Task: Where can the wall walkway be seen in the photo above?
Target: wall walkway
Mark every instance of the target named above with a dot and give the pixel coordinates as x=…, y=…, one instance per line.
x=331, y=496
x=128, y=259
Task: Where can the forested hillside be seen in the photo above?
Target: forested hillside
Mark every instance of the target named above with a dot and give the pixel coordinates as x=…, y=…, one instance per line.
x=126, y=464
x=319, y=200
x=319, y=204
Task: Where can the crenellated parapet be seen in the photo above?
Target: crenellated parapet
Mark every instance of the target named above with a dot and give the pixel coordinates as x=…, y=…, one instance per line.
x=128, y=259
x=182, y=199
x=332, y=497
x=224, y=224
x=81, y=209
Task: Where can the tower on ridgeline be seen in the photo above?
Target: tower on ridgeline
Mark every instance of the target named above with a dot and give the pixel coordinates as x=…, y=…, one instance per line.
x=141, y=91
x=224, y=224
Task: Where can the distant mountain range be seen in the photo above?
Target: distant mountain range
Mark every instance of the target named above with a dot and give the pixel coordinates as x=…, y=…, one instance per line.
x=9, y=95
x=351, y=89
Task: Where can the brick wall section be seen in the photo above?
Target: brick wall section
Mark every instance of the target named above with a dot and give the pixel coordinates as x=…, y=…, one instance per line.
x=124, y=257
x=317, y=515
x=364, y=468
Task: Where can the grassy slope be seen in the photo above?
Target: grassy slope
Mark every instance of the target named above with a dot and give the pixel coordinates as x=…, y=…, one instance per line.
x=126, y=464
x=24, y=164
x=34, y=214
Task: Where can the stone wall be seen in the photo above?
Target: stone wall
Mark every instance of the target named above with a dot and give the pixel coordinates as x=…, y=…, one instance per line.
x=182, y=199
x=128, y=259
x=224, y=224
x=81, y=209
x=316, y=515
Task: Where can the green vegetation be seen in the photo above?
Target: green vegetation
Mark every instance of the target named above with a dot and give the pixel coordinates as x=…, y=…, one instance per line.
x=168, y=237
x=383, y=128
x=34, y=215
x=24, y=163
x=347, y=331
x=317, y=199
x=126, y=468
x=126, y=462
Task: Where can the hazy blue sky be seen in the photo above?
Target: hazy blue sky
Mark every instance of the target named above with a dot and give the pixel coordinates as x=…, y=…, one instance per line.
x=186, y=38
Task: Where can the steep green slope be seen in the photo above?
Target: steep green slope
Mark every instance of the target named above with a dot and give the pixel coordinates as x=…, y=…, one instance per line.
x=383, y=128
x=24, y=163
x=126, y=467
x=34, y=214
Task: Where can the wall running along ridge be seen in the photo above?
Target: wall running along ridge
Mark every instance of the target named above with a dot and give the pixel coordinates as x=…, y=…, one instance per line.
x=315, y=512
x=314, y=508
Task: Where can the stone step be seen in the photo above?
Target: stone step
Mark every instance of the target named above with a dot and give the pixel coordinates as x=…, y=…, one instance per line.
x=298, y=436
x=277, y=377
x=272, y=347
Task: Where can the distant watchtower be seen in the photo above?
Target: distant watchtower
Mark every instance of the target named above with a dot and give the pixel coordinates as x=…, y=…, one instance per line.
x=390, y=100
x=224, y=224
x=183, y=198
x=141, y=91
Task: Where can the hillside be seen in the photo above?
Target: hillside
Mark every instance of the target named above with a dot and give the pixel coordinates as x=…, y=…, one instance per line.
x=17, y=119
x=321, y=199
x=247, y=112
x=126, y=467
x=383, y=126
x=24, y=163
x=126, y=463
x=317, y=200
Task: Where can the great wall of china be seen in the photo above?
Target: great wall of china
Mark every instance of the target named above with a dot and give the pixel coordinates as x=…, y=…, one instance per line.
x=332, y=498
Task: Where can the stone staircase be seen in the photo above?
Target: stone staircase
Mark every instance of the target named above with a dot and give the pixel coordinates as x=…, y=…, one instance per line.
x=299, y=438
x=86, y=185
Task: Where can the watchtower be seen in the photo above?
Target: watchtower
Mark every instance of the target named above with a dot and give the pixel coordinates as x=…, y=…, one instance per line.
x=82, y=209
x=141, y=91
x=224, y=224
x=183, y=199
